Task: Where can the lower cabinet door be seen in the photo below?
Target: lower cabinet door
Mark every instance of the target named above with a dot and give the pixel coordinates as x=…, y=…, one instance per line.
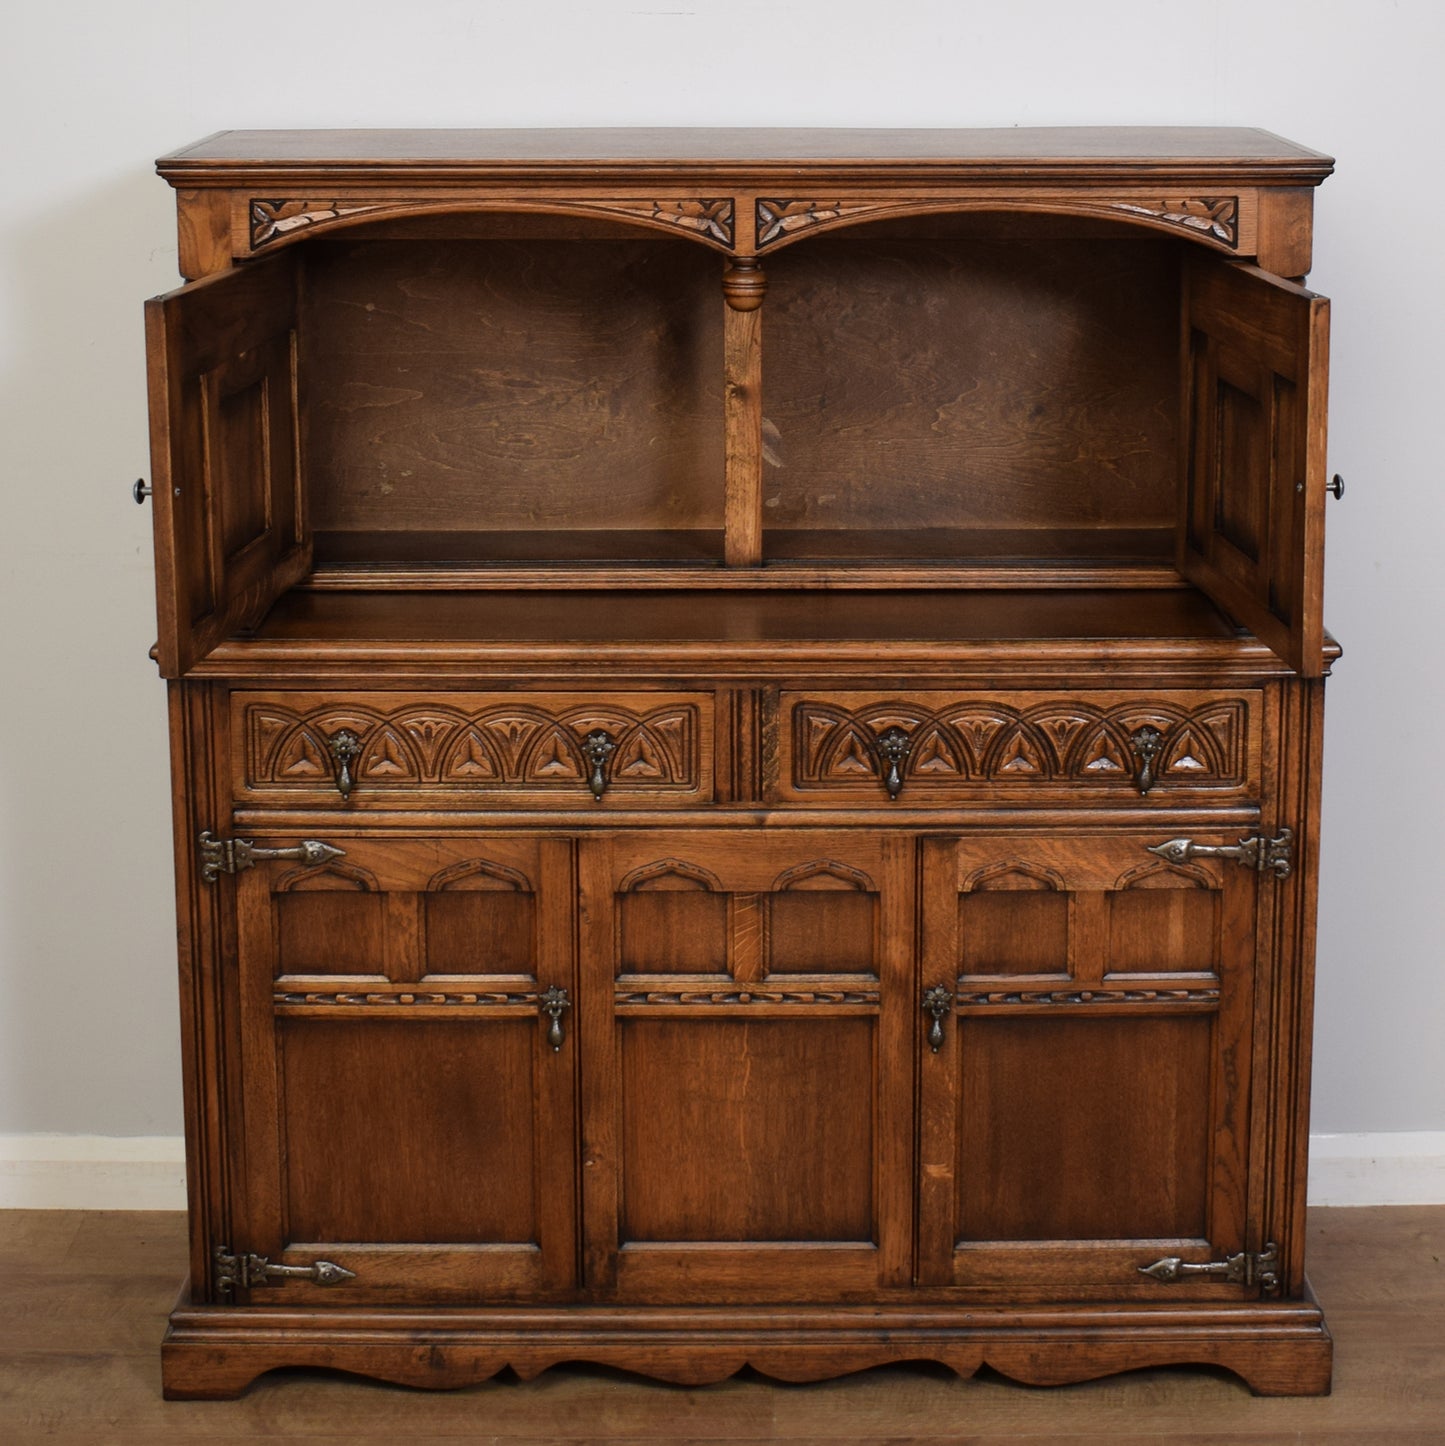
x=747, y=1036
x=1085, y=1113
x=406, y=1115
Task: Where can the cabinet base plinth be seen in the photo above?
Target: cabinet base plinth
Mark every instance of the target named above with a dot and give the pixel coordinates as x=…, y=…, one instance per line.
x=1278, y=1349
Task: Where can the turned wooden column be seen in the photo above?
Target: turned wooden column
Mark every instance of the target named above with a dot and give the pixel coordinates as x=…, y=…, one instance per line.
x=744, y=285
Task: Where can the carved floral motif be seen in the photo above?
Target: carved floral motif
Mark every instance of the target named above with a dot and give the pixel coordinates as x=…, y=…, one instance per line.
x=1211, y=215
x=777, y=219
x=271, y=220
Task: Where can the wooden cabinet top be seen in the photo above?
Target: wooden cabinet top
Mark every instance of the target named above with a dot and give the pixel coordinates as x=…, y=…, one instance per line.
x=1002, y=153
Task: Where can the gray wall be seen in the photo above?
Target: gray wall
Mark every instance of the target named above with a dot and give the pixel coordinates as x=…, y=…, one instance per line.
x=91, y=92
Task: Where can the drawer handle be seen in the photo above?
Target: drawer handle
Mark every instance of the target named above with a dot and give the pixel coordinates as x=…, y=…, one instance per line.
x=554, y=1003
x=1146, y=743
x=597, y=747
x=938, y=1003
x=345, y=748
x=892, y=746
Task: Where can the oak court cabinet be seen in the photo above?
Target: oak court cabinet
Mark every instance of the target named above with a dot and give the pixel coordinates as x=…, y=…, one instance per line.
x=746, y=722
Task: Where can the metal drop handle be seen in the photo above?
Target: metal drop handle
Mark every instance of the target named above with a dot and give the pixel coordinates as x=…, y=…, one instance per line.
x=937, y=1003
x=597, y=747
x=1146, y=743
x=345, y=748
x=892, y=746
x=554, y=1004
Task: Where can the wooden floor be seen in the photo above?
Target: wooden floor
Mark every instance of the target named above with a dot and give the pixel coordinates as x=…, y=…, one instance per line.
x=83, y=1300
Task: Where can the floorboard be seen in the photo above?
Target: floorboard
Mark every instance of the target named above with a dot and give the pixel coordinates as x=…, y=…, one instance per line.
x=83, y=1300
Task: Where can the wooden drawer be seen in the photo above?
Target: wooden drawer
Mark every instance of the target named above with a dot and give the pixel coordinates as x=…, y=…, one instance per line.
x=464, y=750
x=1018, y=747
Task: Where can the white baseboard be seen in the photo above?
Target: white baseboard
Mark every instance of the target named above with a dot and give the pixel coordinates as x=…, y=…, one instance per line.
x=1405, y=1167
x=92, y=1172
x=147, y=1172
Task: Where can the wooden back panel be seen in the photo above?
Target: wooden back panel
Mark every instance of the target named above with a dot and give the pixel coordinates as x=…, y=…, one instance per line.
x=513, y=385
x=1001, y=381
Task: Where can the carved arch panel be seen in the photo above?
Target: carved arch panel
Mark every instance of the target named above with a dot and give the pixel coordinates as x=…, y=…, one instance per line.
x=1222, y=222
x=409, y=749
x=1015, y=741
x=276, y=220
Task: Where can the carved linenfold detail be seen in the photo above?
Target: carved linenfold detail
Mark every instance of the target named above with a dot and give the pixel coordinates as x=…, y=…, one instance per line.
x=746, y=996
x=711, y=218
x=991, y=742
x=1216, y=216
x=1006, y=998
x=365, y=999
x=507, y=745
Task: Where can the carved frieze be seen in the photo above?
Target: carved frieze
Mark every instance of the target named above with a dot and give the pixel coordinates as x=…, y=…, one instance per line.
x=994, y=743
x=1215, y=217
x=506, y=745
x=274, y=219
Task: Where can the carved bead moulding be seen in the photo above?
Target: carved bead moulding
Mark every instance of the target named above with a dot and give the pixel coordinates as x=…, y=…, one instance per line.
x=708, y=219
x=989, y=742
x=507, y=745
x=1014, y=999
x=349, y=999
x=635, y=997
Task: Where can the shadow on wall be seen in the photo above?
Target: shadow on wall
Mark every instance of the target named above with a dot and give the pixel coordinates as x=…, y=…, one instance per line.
x=88, y=1017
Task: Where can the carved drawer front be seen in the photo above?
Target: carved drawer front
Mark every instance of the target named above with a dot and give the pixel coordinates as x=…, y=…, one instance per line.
x=926, y=747
x=461, y=750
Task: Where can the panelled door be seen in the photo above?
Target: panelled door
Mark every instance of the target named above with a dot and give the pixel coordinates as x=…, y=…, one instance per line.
x=1085, y=1112
x=747, y=1038
x=408, y=1103
x=1256, y=357
x=231, y=532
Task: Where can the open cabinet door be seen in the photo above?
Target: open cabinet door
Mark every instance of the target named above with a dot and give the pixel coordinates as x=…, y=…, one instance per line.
x=1256, y=353
x=230, y=526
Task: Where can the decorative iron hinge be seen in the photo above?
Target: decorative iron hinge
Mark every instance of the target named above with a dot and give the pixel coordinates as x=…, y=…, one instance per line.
x=235, y=855
x=1263, y=855
x=244, y=1272
x=1248, y=1268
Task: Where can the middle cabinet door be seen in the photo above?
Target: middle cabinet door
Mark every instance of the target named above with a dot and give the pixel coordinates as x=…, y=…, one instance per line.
x=747, y=1058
